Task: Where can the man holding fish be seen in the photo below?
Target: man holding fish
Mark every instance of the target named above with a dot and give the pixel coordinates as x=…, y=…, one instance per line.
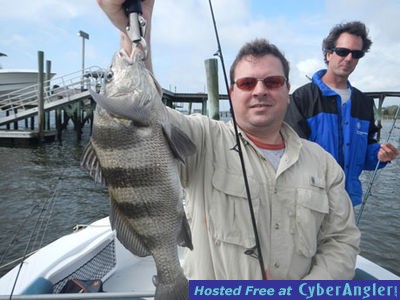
x=303, y=214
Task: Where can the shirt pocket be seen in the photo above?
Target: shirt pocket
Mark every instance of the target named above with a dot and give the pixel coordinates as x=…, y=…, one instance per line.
x=311, y=207
x=229, y=210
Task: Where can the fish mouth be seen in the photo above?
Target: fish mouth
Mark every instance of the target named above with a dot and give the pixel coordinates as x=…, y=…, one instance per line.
x=138, y=53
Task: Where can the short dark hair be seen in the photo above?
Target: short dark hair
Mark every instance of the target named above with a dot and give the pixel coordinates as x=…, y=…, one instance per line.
x=259, y=48
x=356, y=28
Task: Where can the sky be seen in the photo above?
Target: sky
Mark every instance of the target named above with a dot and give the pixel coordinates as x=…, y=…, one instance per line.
x=183, y=37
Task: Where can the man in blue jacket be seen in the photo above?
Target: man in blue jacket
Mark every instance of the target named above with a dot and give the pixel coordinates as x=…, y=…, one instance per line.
x=336, y=115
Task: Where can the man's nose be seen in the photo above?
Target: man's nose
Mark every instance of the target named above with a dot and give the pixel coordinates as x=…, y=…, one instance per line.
x=260, y=88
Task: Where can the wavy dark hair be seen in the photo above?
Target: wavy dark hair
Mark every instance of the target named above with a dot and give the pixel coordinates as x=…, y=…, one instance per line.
x=356, y=28
x=259, y=48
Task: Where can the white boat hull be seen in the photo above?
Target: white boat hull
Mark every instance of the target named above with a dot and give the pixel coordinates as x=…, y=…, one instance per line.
x=13, y=79
x=121, y=272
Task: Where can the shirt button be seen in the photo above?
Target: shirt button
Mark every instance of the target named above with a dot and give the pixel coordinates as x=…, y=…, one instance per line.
x=277, y=226
x=217, y=243
x=276, y=265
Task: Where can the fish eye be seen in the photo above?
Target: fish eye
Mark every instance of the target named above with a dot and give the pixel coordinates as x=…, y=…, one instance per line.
x=109, y=76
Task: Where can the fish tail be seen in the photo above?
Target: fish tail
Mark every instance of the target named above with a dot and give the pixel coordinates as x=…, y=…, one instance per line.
x=178, y=291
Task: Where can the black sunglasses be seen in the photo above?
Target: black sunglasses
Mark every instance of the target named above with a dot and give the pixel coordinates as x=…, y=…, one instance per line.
x=343, y=52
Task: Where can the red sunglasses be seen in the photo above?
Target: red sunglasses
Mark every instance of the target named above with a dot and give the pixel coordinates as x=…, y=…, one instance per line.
x=270, y=82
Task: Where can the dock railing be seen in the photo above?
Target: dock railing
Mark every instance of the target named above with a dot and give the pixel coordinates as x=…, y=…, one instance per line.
x=23, y=102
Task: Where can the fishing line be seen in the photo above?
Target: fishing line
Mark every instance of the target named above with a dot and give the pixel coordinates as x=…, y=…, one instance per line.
x=45, y=223
x=14, y=238
x=36, y=230
x=371, y=182
x=238, y=148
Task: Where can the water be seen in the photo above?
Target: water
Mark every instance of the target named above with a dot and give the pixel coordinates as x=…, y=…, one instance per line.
x=380, y=221
x=47, y=181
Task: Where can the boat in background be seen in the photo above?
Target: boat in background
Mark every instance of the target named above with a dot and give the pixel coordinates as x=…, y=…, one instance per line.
x=94, y=254
x=16, y=79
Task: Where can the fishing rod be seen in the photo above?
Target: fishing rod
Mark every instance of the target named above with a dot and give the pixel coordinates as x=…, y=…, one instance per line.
x=238, y=148
x=371, y=182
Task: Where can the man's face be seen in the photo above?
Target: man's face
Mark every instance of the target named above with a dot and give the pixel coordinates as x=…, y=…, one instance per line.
x=260, y=108
x=343, y=66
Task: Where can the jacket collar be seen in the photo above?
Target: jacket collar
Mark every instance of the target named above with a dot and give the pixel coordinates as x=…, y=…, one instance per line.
x=326, y=90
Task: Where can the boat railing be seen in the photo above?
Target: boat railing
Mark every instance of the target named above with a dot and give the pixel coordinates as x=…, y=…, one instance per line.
x=82, y=296
x=54, y=89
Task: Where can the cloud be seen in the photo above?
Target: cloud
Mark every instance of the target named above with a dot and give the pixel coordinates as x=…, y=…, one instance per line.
x=183, y=36
x=44, y=11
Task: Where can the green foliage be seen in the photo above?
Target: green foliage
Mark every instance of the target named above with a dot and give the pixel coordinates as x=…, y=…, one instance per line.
x=389, y=112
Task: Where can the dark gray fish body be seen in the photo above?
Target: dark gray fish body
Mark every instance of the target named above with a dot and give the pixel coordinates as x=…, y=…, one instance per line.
x=134, y=151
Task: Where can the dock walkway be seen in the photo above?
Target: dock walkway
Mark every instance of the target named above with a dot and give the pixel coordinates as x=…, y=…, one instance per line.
x=70, y=94
x=57, y=92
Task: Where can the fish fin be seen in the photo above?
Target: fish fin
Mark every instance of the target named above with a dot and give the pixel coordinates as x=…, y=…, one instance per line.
x=98, y=98
x=181, y=145
x=185, y=234
x=177, y=291
x=125, y=233
x=123, y=108
x=90, y=162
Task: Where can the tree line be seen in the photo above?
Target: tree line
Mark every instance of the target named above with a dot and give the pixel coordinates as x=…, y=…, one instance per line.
x=389, y=112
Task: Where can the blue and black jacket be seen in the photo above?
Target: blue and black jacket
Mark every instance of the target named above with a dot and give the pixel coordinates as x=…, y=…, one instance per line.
x=346, y=131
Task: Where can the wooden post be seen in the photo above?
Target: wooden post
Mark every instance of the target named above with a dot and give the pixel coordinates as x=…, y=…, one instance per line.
x=190, y=108
x=41, y=120
x=48, y=92
x=58, y=123
x=8, y=124
x=78, y=120
x=48, y=74
x=204, y=108
x=47, y=120
x=212, y=88
x=378, y=116
x=16, y=122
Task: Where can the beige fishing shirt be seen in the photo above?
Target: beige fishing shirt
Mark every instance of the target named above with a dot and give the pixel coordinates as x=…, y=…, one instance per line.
x=304, y=216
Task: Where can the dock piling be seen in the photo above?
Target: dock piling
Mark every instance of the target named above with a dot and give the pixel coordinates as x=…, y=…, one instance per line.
x=211, y=66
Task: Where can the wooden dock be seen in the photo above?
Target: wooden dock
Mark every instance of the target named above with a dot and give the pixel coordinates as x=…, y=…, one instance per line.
x=25, y=137
x=27, y=114
x=68, y=98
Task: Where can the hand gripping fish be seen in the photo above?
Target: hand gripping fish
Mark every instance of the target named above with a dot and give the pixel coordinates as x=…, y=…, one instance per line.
x=134, y=150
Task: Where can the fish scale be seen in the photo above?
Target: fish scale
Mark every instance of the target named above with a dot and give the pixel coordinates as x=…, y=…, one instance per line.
x=135, y=151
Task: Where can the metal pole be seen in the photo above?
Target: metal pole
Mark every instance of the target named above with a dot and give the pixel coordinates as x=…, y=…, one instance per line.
x=84, y=36
x=83, y=62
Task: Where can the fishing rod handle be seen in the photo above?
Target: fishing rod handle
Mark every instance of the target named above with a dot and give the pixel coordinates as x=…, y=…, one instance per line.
x=132, y=6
